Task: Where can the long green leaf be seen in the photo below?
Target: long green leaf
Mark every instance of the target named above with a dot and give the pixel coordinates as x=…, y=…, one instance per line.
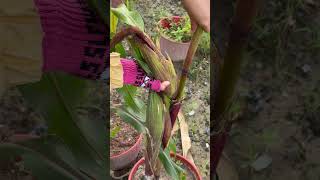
x=132, y=18
x=120, y=49
x=56, y=97
x=45, y=159
x=138, y=56
x=168, y=165
x=113, y=23
x=128, y=93
x=141, y=113
x=132, y=119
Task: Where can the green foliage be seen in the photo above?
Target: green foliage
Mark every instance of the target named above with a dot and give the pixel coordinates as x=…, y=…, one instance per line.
x=204, y=45
x=81, y=151
x=47, y=158
x=113, y=24
x=132, y=18
x=136, y=118
x=160, y=12
x=180, y=32
x=155, y=125
x=168, y=164
x=130, y=4
x=114, y=132
x=149, y=119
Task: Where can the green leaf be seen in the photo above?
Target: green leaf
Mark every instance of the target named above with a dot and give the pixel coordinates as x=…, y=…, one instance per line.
x=47, y=158
x=172, y=146
x=138, y=56
x=178, y=168
x=56, y=97
x=141, y=113
x=168, y=164
x=120, y=49
x=114, y=132
x=131, y=118
x=128, y=93
x=132, y=18
x=113, y=23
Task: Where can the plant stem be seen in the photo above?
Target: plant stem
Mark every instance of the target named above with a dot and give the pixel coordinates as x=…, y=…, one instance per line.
x=188, y=61
x=246, y=10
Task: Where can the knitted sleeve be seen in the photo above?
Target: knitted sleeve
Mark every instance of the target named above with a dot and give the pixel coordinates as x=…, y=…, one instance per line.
x=135, y=75
x=74, y=38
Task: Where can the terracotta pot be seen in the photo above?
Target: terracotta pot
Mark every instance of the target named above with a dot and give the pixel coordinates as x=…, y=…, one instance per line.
x=16, y=138
x=124, y=159
x=176, y=50
x=182, y=159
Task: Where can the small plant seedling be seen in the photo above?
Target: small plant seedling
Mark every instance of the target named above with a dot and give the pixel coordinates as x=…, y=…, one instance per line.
x=114, y=132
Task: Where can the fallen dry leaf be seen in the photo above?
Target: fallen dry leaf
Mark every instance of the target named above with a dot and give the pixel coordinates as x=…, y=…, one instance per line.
x=184, y=130
x=175, y=128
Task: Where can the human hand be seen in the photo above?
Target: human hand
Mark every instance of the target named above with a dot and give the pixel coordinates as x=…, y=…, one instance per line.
x=164, y=85
x=116, y=3
x=199, y=13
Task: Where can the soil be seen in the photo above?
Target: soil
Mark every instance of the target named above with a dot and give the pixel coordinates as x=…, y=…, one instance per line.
x=278, y=93
x=124, y=139
x=163, y=175
x=16, y=116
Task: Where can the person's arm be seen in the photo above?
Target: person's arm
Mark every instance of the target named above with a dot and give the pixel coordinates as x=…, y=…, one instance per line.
x=74, y=43
x=199, y=12
x=135, y=75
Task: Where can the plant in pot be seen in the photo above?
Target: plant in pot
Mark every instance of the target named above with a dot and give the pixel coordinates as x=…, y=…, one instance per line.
x=122, y=154
x=157, y=119
x=125, y=142
x=175, y=36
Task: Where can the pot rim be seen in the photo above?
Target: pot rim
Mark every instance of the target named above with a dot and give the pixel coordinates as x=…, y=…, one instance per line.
x=167, y=38
x=138, y=142
x=20, y=137
x=194, y=170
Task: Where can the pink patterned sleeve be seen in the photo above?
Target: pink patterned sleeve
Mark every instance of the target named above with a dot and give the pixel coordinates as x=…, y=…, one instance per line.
x=74, y=38
x=134, y=75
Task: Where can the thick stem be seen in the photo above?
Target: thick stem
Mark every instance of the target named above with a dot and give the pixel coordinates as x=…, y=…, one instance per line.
x=245, y=12
x=157, y=169
x=188, y=61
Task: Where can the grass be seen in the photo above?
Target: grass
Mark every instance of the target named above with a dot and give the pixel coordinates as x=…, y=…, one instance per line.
x=273, y=38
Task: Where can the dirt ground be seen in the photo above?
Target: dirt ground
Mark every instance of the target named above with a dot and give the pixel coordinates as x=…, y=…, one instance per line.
x=277, y=135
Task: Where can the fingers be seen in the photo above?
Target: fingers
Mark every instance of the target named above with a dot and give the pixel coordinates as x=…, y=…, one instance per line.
x=199, y=12
x=116, y=3
x=164, y=85
x=194, y=25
